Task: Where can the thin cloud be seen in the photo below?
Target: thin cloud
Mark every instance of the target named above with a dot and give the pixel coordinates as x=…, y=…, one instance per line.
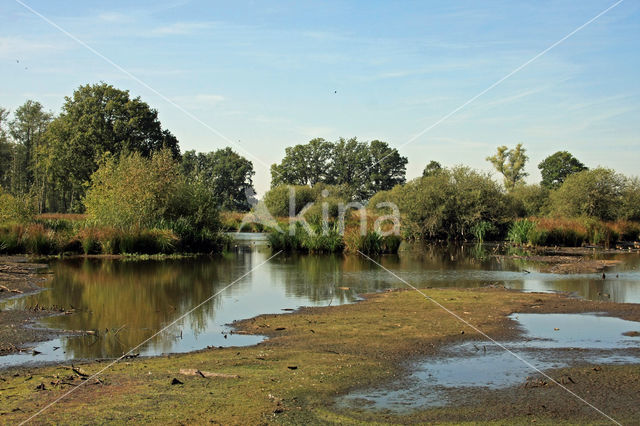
x=182, y=28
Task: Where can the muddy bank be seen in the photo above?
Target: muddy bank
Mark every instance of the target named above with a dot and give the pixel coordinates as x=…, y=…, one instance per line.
x=316, y=355
x=19, y=276
x=570, y=260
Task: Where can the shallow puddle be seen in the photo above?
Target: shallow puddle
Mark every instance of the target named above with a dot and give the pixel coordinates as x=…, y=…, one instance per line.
x=549, y=341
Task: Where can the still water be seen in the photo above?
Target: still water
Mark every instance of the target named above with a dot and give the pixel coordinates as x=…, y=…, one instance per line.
x=127, y=302
x=550, y=341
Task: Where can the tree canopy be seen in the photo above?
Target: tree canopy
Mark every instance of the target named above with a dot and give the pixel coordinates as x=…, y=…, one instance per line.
x=432, y=168
x=95, y=120
x=595, y=193
x=223, y=172
x=510, y=163
x=365, y=167
x=556, y=167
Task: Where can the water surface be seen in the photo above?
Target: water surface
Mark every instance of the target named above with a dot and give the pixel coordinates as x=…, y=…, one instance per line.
x=126, y=302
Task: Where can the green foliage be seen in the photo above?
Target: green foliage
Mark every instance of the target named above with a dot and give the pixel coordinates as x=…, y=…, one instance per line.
x=364, y=168
x=277, y=199
x=227, y=175
x=519, y=231
x=530, y=200
x=510, y=163
x=448, y=204
x=95, y=120
x=596, y=193
x=371, y=243
x=557, y=167
x=432, y=168
x=284, y=241
x=482, y=229
x=15, y=209
x=630, y=209
x=133, y=192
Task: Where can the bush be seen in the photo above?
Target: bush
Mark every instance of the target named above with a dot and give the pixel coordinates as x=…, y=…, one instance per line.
x=132, y=191
x=277, y=198
x=448, y=204
x=38, y=240
x=593, y=193
x=11, y=239
x=530, y=200
x=14, y=210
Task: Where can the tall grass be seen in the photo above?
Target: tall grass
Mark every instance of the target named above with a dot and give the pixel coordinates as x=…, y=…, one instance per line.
x=573, y=232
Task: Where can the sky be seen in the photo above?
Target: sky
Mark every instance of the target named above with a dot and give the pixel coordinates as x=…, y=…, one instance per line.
x=260, y=76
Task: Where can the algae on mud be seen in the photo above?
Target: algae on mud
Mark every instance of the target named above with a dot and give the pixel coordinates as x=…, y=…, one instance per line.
x=317, y=354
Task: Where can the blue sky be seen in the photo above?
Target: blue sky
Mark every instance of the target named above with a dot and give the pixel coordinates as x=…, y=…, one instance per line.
x=264, y=74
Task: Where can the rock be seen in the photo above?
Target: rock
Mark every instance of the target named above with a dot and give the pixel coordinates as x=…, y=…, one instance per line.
x=176, y=382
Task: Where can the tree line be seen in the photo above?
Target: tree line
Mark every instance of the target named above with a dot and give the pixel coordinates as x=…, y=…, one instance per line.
x=51, y=159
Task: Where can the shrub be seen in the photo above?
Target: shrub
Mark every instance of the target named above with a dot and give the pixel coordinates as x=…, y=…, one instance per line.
x=277, y=198
x=132, y=191
x=530, y=200
x=593, y=193
x=38, y=240
x=15, y=209
x=446, y=205
x=11, y=239
x=482, y=229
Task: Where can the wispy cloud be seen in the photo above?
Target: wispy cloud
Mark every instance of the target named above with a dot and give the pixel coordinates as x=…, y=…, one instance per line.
x=182, y=28
x=18, y=46
x=114, y=17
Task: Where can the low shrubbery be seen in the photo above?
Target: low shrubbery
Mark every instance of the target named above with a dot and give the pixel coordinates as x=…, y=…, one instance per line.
x=333, y=242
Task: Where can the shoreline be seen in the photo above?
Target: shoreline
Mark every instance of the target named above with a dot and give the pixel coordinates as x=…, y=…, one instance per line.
x=314, y=355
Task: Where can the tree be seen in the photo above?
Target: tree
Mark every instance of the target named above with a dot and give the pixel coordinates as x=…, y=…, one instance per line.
x=432, y=168
x=98, y=119
x=510, y=163
x=448, y=204
x=305, y=164
x=555, y=168
x=5, y=151
x=595, y=193
x=223, y=172
x=363, y=167
x=132, y=192
x=27, y=130
x=530, y=200
x=388, y=167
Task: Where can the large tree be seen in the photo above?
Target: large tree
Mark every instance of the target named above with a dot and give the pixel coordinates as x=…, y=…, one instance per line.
x=27, y=130
x=226, y=174
x=96, y=120
x=556, y=167
x=510, y=163
x=364, y=167
x=305, y=164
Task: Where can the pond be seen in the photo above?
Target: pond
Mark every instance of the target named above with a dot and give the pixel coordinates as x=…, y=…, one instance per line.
x=126, y=302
